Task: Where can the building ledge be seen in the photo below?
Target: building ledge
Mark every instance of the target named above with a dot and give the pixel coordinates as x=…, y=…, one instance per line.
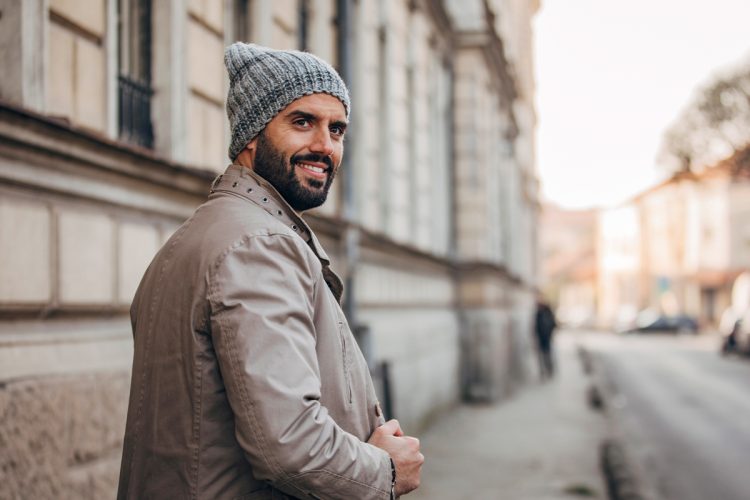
x=23, y=129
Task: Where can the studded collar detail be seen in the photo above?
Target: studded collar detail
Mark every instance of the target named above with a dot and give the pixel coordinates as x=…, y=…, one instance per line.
x=244, y=182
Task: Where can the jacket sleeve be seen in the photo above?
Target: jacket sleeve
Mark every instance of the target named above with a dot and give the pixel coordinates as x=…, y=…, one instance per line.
x=261, y=294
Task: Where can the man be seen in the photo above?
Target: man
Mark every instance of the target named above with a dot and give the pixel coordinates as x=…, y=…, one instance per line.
x=544, y=327
x=247, y=382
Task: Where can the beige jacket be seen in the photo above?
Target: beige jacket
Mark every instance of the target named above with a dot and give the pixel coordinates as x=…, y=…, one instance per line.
x=247, y=382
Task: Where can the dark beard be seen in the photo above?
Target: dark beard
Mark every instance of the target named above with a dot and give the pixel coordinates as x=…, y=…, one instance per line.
x=270, y=164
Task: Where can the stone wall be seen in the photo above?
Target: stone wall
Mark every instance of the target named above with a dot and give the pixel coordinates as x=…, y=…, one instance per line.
x=408, y=308
x=62, y=436
x=206, y=132
x=80, y=219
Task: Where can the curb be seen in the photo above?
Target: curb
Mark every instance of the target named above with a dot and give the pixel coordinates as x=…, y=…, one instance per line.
x=619, y=475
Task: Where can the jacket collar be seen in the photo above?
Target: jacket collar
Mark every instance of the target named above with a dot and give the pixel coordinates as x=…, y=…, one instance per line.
x=244, y=182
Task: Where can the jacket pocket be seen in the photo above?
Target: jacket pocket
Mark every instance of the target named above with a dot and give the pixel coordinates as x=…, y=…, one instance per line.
x=346, y=360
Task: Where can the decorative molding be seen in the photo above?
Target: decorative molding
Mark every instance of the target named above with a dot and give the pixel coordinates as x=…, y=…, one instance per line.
x=25, y=131
x=44, y=348
x=75, y=28
x=204, y=24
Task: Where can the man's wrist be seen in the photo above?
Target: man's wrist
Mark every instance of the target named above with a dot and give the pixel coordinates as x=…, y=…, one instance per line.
x=393, y=480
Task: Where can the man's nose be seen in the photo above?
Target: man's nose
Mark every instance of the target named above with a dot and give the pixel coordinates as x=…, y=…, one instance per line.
x=322, y=143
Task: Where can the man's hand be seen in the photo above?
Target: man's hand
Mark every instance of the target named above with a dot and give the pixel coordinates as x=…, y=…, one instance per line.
x=404, y=451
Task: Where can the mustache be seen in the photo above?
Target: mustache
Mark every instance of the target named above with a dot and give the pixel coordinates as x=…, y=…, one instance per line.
x=313, y=158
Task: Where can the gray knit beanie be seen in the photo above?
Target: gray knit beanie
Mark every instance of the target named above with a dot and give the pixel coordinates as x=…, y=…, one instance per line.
x=264, y=81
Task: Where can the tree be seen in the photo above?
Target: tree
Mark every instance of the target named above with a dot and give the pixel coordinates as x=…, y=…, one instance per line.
x=714, y=124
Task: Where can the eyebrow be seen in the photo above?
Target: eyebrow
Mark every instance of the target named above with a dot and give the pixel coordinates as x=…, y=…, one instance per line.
x=309, y=116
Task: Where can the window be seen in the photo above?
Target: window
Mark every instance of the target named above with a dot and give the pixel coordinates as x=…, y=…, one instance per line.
x=303, y=24
x=134, y=79
x=242, y=20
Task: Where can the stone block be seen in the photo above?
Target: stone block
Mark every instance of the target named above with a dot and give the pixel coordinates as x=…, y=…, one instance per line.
x=282, y=39
x=86, y=243
x=96, y=480
x=195, y=130
x=32, y=437
x=14, y=53
x=95, y=418
x=195, y=7
x=89, y=15
x=138, y=243
x=62, y=436
x=485, y=355
x=321, y=37
x=205, y=61
x=60, y=91
x=24, y=252
x=370, y=214
x=213, y=14
x=90, y=87
x=422, y=349
x=285, y=17
x=213, y=133
x=206, y=134
x=109, y=347
x=210, y=12
x=369, y=90
x=399, y=89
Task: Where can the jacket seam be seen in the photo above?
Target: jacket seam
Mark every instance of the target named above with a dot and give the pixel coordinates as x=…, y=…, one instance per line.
x=293, y=216
x=147, y=346
x=198, y=412
x=248, y=406
x=336, y=475
x=267, y=214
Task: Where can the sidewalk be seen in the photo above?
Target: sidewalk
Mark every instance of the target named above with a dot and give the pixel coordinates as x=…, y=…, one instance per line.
x=541, y=444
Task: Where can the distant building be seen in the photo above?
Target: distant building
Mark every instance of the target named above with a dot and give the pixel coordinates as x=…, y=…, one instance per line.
x=568, y=273
x=112, y=128
x=619, y=265
x=679, y=246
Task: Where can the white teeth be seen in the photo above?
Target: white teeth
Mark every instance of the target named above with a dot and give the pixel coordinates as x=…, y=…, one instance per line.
x=311, y=168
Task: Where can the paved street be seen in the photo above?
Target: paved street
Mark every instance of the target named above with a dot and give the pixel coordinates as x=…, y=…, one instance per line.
x=541, y=444
x=683, y=412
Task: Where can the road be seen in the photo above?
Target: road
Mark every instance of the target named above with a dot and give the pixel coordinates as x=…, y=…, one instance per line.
x=683, y=411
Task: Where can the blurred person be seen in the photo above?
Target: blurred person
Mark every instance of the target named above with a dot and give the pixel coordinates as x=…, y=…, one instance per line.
x=544, y=329
x=247, y=381
x=729, y=337
x=734, y=328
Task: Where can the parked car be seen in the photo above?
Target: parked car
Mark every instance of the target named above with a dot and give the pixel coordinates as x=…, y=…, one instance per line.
x=651, y=321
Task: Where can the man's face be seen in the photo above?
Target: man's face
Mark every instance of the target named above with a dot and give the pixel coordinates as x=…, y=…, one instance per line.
x=300, y=150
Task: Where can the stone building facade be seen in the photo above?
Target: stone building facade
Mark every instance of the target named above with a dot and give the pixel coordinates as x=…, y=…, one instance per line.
x=112, y=128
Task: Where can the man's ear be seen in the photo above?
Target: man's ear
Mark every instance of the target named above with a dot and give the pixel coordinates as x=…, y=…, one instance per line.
x=247, y=156
x=252, y=145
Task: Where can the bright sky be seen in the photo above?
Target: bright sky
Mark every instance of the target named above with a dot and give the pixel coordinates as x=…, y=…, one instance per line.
x=611, y=76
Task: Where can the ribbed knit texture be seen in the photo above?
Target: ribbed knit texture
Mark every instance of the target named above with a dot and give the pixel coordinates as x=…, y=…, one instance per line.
x=263, y=81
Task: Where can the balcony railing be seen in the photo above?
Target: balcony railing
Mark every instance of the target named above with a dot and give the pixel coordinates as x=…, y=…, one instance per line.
x=135, y=112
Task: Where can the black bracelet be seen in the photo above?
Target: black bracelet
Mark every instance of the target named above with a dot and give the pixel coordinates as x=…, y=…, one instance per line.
x=393, y=480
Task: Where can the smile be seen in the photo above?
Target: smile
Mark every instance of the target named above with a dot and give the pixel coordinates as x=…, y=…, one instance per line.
x=311, y=168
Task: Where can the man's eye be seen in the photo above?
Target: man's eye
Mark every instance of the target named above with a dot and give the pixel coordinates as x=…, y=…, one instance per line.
x=336, y=130
x=302, y=122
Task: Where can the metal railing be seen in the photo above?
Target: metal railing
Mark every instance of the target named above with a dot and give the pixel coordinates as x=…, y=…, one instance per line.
x=135, y=112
